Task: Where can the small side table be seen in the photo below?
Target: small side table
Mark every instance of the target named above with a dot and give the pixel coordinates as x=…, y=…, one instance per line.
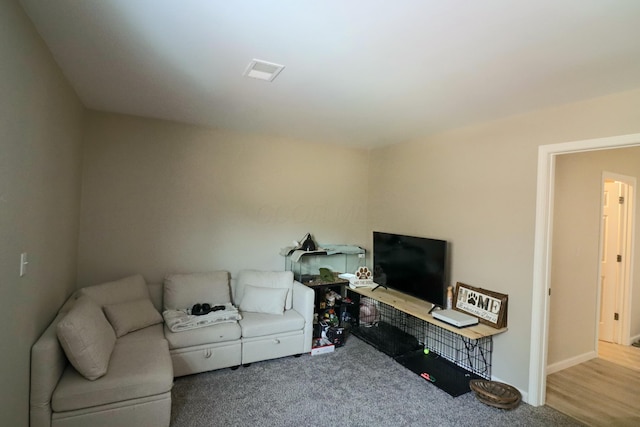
x=321, y=288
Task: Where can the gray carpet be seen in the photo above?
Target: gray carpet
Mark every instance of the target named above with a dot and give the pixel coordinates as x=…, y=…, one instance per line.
x=354, y=386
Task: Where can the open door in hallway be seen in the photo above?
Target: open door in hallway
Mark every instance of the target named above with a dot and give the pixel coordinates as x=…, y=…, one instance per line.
x=614, y=259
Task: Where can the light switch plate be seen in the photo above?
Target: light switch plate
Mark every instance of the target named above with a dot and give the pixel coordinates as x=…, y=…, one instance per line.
x=23, y=264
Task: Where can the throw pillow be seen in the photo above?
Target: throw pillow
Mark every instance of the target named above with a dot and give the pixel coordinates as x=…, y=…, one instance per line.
x=127, y=289
x=263, y=300
x=130, y=316
x=87, y=338
x=265, y=279
x=184, y=290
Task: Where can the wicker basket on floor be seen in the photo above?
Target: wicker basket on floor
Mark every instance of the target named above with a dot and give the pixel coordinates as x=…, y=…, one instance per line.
x=496, y=394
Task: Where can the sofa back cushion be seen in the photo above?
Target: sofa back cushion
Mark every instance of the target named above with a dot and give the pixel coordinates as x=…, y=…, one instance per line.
x=155, y=293
x=87, y=338
x=264, y=279
x=127, y=289
x=182, y=291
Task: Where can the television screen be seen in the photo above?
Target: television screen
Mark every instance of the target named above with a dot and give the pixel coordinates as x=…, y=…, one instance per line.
x=412, y=265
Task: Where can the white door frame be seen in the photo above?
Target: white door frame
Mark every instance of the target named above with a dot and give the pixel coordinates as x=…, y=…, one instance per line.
x=624, y=304
x=542, y=251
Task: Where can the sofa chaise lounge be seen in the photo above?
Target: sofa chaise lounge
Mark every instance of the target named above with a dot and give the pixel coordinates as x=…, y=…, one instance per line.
x=109, y=359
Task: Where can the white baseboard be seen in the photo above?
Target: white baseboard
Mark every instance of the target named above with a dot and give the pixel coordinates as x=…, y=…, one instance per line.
x=634, y=339
x=567, y=363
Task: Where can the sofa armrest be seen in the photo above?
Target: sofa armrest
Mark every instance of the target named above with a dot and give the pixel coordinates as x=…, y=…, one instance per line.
x=303, y=300
x=48, y=362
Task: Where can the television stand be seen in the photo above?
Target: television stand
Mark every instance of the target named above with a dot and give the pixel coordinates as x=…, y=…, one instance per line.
x=405, y=330
x=443, y=373
x=388, y=338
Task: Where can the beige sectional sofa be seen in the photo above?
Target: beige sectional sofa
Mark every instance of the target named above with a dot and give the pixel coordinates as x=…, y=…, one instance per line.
x=108, y=358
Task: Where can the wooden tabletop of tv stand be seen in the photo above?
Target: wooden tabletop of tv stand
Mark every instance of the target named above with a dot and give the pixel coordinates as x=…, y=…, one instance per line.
x=420, y=309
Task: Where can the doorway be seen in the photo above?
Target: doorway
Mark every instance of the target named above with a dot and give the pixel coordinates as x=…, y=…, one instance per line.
x=542, y=251
x=615, y=255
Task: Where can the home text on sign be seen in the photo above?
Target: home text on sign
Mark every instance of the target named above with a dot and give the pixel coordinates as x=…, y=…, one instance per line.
x=478, y=304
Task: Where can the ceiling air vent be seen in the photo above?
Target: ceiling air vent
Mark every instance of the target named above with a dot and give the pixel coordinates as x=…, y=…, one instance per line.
x=263, y=70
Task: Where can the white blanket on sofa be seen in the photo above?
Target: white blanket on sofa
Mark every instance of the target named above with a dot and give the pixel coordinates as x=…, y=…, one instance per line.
x=182, y=320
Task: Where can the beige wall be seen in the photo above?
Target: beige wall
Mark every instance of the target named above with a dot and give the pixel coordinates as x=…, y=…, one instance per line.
x=161, y=197
x=476, y=188
x=40, y=155
x=576, y=243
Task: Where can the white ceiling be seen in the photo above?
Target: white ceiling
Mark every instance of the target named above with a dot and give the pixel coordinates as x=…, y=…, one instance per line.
x=358, y=72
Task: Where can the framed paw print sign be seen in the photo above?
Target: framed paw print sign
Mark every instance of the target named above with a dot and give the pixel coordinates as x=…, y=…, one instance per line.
x=363, y=273
x=489, y=307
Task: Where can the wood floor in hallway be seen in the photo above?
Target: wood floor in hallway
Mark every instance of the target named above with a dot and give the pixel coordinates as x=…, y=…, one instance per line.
x=601, y=392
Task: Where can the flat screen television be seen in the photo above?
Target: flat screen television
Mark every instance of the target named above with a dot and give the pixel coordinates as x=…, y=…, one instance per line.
x=413, y=265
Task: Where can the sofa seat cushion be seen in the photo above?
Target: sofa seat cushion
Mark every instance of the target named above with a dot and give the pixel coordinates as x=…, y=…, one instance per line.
x=137, y=368
x=261, y=324
x=221, y=332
